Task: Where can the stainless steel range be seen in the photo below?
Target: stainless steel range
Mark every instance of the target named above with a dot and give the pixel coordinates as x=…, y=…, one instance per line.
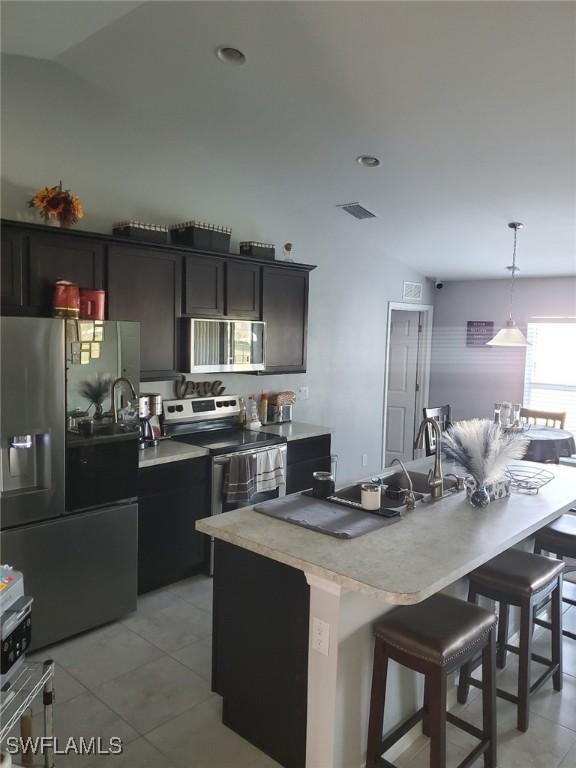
x=213, y=423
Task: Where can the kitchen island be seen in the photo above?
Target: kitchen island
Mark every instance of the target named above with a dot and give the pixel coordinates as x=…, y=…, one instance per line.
x=303, y=698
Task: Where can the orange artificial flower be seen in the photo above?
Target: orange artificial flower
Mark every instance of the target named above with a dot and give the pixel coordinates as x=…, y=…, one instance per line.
x=57, y=203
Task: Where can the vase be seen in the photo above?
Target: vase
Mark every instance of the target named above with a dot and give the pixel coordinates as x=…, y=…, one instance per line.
x=476, y=492
x=480, y=497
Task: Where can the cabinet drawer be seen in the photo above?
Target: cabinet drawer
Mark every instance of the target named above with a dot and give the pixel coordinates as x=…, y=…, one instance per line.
x=172, y=476
x=309, y=448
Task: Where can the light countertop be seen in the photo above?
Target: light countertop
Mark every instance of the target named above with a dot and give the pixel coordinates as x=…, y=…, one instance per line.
x=295, y=430
x=404, y=563
x=167, y=451
x=171, y=450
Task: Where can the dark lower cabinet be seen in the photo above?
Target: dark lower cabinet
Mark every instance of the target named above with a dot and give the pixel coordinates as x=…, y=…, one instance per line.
x=56, y=256
x=260, y=651
x=171, y=498
x=285, y=310
x=304, y=457
x=144, y=284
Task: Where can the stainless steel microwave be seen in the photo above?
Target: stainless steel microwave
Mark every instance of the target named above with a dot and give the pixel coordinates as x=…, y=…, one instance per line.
x=223, y=346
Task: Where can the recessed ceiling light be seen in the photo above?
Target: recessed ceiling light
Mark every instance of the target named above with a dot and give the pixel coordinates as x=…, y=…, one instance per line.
x=229, y=55
x=368, y=161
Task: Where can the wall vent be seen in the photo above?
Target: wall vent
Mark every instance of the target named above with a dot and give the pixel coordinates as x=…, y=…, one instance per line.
x=357, y=210
x=412, y=291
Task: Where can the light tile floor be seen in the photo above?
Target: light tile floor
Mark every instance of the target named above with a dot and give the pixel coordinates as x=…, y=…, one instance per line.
x=147, y=680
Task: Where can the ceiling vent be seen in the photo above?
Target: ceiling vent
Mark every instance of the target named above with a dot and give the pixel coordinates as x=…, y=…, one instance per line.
x=412, y=291
x=357, y=210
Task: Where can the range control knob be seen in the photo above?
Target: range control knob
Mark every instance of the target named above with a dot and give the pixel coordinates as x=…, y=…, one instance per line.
x=179, y=408
x=171, y=409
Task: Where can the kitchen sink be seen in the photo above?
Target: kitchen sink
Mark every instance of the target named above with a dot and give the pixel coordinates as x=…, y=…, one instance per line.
x=393, y=495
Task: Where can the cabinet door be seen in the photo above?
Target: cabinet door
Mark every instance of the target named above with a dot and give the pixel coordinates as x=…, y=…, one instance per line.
x=62, y=257
x=204, y=286
x=285, y=310
x=303, y=459
x=12, y=280
x=172, y=498
x=144, y=285
x=243, y=290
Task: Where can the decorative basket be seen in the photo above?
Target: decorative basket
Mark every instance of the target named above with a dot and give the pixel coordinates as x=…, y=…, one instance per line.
x=200, y=235
x=257, y=250
x=138, y=230
x=496, y=490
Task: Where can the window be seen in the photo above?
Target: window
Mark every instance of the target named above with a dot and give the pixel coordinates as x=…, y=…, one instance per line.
x=550, y=376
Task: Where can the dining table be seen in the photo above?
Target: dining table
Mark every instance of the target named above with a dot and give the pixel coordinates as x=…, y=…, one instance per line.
x=548, y=444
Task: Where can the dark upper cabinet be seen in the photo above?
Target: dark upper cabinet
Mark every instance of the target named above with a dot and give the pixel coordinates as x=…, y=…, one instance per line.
x=61, y=256
x=285, y=310
x=144, y=285
x=204, y=286
x=13, y=277
x=243, y=298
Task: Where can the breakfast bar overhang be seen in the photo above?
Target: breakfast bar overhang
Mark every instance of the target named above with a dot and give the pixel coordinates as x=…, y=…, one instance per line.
x=294, y=608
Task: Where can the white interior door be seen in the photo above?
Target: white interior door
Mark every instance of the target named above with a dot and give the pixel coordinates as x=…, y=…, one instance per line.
x=402, y=385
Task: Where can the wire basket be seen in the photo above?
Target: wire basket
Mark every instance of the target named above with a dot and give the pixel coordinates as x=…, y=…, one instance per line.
x=526, y=479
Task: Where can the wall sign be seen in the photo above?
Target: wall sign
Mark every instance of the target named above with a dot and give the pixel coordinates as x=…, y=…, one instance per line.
x=478, y=332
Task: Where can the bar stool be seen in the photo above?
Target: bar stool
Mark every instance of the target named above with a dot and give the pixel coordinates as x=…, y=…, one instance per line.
x=558, y=538
x=524, y=580
x=434, y=638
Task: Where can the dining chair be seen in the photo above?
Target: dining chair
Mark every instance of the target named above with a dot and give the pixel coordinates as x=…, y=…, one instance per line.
x=443, y=415
x=555, y=419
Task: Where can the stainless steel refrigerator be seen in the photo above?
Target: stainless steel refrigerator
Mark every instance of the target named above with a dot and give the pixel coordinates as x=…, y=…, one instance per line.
x=79, y=564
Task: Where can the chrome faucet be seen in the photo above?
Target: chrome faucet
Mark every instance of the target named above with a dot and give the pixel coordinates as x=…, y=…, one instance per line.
x=115, y=383
x=435, y=477
x=409, y=498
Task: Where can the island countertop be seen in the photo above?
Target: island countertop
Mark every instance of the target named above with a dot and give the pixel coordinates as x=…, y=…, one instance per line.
x=412, y=559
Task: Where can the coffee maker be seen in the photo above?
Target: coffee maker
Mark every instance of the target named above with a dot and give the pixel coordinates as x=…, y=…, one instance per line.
x=149, y=412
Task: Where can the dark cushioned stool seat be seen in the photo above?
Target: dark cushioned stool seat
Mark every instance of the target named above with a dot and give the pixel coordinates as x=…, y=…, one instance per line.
x=524, y=580
x=434, y=638
x=439, y=630
x=519, y=573
x=559, y=537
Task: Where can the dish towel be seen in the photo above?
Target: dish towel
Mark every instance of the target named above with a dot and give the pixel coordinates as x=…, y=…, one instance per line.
x=270, y=471
x=240, y=479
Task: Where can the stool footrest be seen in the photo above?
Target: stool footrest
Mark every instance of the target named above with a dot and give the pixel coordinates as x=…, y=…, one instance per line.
x=401, y=730
x=475, y=754
x=465, y=726
x=543, y=677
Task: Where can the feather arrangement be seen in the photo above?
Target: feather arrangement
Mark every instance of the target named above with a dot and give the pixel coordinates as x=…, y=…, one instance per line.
x=481, y=448
x=96, y=390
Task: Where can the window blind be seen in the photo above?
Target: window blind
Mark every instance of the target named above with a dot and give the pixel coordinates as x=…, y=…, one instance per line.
x=550, y=374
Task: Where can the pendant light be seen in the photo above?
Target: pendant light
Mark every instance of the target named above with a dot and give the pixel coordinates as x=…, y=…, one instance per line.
x=510, y=335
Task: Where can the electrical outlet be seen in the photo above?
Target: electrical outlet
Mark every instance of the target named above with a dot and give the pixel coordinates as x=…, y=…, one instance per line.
x=303, y=393
x=320, y=636
x=364, y=459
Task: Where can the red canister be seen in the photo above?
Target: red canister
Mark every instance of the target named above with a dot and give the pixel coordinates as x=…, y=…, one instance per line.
x=66, y=299
x=92, y=304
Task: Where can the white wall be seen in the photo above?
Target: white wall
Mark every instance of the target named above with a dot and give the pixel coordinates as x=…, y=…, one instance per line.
x=472, y=379
x=57, y=126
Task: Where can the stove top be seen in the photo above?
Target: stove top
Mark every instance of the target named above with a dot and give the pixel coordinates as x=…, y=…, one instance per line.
x=222, y=441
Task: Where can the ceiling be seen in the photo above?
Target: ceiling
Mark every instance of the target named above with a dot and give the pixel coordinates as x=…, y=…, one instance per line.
x=469, y=105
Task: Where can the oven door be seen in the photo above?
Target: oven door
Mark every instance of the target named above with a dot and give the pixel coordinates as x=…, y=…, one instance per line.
x=219, y=467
